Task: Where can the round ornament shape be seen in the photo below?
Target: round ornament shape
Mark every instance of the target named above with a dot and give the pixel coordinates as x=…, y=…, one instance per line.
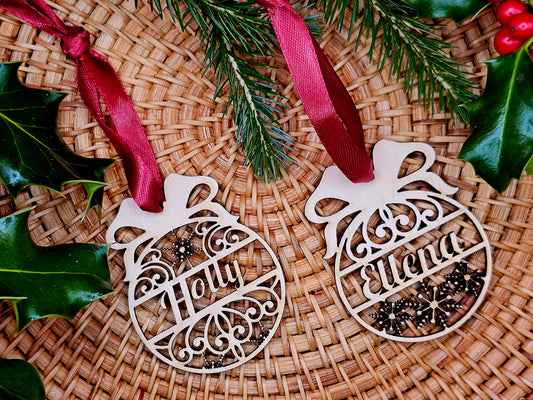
x=411, y=263
x=205, y=293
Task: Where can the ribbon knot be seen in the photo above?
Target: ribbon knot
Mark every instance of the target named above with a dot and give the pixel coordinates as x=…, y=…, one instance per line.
x=76, y=42
x=98, y=83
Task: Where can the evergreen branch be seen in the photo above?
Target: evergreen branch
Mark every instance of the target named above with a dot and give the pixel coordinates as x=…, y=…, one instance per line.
x=252, y=96
x=412, y=44
x=232, y=33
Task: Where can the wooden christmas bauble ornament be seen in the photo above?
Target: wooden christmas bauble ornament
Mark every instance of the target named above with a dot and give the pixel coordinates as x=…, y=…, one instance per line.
x=206, y=293
x=411, y=263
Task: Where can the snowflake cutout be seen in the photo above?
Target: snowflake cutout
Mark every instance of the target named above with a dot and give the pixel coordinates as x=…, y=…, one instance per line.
x=263, y=334
x=182, y=249
x=212, y=364
x=464, y=280
x=436, y=304
x=392, y=316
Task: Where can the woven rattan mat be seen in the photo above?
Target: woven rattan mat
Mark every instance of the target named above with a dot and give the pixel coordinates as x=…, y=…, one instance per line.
x=319, y=351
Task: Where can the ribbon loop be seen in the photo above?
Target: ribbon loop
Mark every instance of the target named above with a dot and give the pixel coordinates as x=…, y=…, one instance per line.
x=76, y=43
x=326, y=101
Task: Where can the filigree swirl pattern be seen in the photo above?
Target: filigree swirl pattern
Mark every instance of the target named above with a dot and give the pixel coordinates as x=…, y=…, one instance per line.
x=227, y=334
x=153, y=275
x=392, y=227
x=217, y=238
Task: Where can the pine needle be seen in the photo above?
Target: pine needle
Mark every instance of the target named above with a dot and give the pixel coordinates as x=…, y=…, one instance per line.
x=233, y=36
x=414, y=51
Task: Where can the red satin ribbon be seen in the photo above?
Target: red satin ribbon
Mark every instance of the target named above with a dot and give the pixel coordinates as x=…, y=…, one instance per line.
x=96, y=79
x=326, y=101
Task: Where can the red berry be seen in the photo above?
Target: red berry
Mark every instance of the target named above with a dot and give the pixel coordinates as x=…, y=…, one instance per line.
x=504, y=43
x=521, y=26
x=508, y=9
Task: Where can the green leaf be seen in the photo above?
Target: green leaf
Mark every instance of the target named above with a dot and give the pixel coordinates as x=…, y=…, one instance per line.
x=20, y=381
x=48, y=281
x=529, y=166
x=501, y=140
x=31, y=151
x=455, y=9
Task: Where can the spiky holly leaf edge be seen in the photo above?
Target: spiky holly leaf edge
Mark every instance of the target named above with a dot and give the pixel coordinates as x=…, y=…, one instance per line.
x=499, y=128
x=93, y=188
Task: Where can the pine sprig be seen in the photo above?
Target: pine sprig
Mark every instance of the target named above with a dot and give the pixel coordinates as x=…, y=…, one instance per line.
x=412, y=47
x=254, y=108
x=232, y=34
x=235, y=34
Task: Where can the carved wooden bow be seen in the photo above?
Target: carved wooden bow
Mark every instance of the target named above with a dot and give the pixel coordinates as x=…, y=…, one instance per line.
x=364, y=199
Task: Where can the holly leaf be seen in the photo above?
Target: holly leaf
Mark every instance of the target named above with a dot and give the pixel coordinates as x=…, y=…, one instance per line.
x=501, y=141
x=31, y=151
x=455, y=9
x=48, y=281
x=20, y=381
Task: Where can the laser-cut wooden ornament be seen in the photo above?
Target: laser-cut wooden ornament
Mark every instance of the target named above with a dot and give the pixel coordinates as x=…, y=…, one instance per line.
x=411, y=263
x=205, y=293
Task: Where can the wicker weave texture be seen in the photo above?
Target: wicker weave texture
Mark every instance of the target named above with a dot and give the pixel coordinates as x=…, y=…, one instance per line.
x=319, y=351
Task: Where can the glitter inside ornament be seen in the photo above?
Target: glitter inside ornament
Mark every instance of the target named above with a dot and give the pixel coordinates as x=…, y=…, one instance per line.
x=182, y=249
x=391, y=317
x=435, y=305
x=465, y=279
